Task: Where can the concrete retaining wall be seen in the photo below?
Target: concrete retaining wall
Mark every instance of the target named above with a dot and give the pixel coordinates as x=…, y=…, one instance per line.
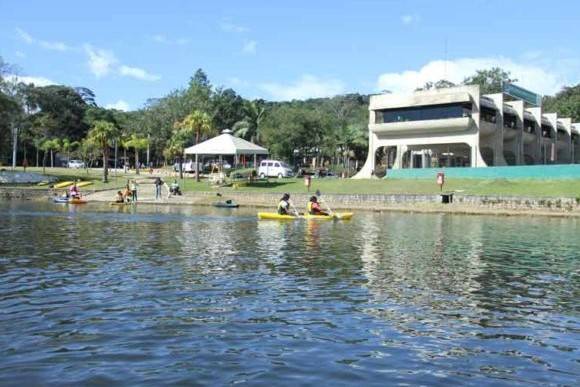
x=22, y=194
x=385, y=202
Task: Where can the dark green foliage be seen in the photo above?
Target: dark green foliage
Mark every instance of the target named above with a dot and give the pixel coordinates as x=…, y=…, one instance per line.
x=566, y=102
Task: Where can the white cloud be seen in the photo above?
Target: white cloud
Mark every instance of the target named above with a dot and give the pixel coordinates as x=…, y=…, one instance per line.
x=530, y=76
x=100, y=62
x=57, y=46
x=37, y=81
x=138, y=73
x=27, y=38
x=159, y=38
x=307, y=86
x=410, y=19
x=119, y=105
x=228, y=26
x=235, y=81
x=249, y=47
x=20, y=54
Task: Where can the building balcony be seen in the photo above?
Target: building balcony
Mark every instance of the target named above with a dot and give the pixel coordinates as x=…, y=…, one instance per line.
x=441, y=126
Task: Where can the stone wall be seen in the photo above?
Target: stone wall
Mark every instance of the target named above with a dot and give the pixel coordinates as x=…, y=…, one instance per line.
x=385, y=202
x=22, y=194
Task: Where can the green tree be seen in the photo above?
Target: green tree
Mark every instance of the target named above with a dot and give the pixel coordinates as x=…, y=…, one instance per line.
x=197, y=123
x=440, y=84
x=68, y=146
x=102, y=134
x=249, y=127
x=490, y=81
x=64, y=106
x=49, y=145
x=227, y=108
x=138, y=144
x=566, y=102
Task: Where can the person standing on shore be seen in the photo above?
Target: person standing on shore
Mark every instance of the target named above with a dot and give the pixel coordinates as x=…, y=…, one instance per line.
x=158, y=184
x=134, y=187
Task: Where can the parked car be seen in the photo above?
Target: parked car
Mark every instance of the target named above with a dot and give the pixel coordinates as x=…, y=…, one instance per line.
x=188, y=166
x=274, y=168
x=75, y=164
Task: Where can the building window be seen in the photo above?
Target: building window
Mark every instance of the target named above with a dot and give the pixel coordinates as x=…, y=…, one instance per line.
x=547, y=131
x=488, y=114
x=509, y=121
x=423, y=113
x=529, y=126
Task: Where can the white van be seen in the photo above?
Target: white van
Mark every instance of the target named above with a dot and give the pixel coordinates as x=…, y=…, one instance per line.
x=274, y=168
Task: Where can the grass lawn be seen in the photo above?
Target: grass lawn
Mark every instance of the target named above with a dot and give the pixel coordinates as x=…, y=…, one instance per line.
x=555, y=188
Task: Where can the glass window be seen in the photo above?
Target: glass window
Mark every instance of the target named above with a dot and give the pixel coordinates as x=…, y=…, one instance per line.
x=270, y=164
x=277, y=165
x=529, y=126
x=488, y=114
x=509, y=120
x=263, y=164
x=423, y=113
x=547, y=131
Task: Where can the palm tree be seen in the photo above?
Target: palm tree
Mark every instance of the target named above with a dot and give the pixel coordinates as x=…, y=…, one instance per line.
x=249, y=127
x=103, y=133
x=67, y=147
x=137, y=143
x=197, y=122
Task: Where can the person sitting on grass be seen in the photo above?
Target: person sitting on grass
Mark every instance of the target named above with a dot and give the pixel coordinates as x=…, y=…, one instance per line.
x=314, y=207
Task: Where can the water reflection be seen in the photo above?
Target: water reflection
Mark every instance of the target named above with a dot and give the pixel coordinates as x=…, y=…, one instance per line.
x=181, y=295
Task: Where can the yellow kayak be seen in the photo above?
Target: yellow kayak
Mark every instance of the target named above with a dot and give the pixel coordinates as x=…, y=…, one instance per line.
x=276, y=216
x=64, y=184
x=84, y=183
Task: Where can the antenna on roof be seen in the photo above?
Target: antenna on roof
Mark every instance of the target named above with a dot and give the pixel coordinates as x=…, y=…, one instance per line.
x=445, y=60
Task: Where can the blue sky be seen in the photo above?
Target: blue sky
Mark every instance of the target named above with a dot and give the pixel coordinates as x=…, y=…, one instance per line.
x=129, y=51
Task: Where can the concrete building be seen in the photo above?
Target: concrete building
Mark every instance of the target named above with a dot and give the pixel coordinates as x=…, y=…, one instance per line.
x=459, y=127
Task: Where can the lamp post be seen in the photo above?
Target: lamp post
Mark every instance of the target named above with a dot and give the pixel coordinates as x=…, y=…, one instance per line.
x=14, y=143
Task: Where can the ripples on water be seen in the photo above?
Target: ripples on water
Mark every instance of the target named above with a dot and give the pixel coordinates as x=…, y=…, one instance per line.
x=166, y=295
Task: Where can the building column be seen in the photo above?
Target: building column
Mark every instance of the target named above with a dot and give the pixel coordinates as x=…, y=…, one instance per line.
x=517, y=145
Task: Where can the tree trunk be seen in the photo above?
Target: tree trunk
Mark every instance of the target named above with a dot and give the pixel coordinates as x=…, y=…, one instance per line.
x=125, y=160
x=105, y=165
x=37, y=152
x=196, y=167
x=136, y=161
x=51, y=159
x=181, y=167
x=148, y=150
x=44, y=163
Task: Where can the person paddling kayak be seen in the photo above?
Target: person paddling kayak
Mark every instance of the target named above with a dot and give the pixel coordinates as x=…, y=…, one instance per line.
x=284, y=205
x=313, y=207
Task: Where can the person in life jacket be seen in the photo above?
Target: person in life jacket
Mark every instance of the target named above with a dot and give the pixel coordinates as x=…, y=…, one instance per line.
x=284, y=205
x=313, y=207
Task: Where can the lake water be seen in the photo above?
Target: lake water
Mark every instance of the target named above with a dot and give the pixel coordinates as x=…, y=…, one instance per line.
x=163, y=295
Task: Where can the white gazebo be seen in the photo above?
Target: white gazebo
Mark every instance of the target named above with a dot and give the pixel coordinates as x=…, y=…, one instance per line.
x=226, y=144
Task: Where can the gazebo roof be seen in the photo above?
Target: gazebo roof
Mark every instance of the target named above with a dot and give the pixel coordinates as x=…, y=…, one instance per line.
x=226, y=144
